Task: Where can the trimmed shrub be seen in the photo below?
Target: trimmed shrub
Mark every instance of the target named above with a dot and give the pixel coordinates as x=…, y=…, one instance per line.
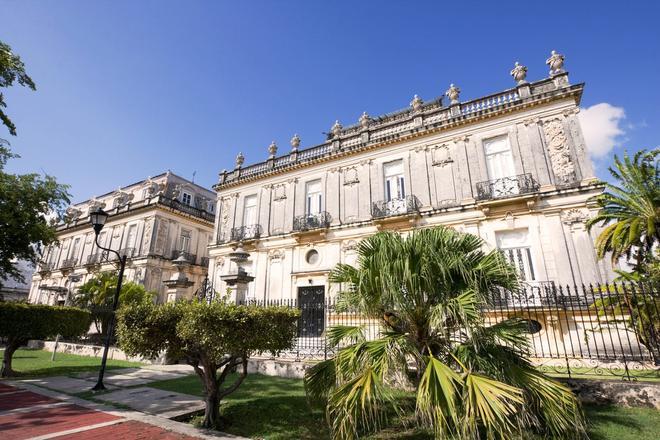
x=215, y=339
x=20, y=322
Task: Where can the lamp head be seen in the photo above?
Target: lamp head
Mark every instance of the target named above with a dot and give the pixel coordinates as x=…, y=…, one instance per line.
x=98, y=218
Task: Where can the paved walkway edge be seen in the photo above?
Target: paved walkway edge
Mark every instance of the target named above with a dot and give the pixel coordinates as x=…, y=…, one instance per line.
x=171, y=425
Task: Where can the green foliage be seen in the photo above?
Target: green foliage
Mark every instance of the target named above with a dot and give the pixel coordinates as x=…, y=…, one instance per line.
x=12, y=70
x=630, y=209
x=211, y=337
x=20, y=322
x=427, y=291
x=26, y=201
x=97, y=296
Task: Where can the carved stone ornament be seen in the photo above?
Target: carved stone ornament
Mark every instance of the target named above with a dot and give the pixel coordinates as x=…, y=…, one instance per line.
x=152, y=188
x=574, y=215
x=95, y=204
x=351, y=176
x=72, y=213
x=556, y=63
x=560, y=156
x=453, y=93
x=122, y=198
x=336, y=128
x=349, y=246
x=240, y=159
x=295, y=142
x=364, y=120
x=416, y=103
x=272, y=149
x=279, y=192
x=519, y=73
x=441, y=156
x=276, y=255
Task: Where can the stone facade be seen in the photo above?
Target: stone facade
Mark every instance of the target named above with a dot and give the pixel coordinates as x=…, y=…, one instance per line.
x=152, y=222
x=510, y=167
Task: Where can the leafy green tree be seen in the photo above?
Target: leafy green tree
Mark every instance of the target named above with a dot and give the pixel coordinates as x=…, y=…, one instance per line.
x=26, y=202
x=12, y=70
x=427, y=292
x=214, y=338
x=630, y=208
x=20, y=322
x=97, y=296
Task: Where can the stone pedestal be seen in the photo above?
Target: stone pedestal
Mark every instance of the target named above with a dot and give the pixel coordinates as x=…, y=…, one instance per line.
x=178, y=287
x=238, y=285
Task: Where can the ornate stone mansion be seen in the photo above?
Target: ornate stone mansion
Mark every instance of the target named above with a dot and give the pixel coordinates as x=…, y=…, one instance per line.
x=152, y=222
x=510, y=167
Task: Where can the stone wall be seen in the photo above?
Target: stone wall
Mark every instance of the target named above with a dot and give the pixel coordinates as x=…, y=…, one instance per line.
x=114, y=353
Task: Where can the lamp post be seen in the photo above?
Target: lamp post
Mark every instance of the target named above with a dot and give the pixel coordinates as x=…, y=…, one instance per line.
x=98, y=218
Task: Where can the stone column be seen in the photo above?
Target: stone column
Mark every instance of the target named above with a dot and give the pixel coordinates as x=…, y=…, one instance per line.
x=178, y=284
x=238, y=282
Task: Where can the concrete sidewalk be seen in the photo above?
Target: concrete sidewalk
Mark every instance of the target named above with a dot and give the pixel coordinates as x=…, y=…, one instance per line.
x=29, y=411
x=127, y=389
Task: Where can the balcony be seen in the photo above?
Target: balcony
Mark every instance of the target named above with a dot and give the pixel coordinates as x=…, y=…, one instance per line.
x=506, y=187
x=191, y=210
x=310, y=222
x=395, y=207
x=243, y=233
x=94, y=259
x=45, y=267
x=129, y=252
x=190, y=258
x=204, y=262
x=69, y=263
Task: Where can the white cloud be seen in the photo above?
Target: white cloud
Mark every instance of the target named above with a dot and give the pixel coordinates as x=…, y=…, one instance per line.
x=602, y=128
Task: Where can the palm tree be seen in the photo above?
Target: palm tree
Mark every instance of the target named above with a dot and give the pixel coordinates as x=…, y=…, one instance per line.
x=427, y=291
x=630, y=210
x=97, y=296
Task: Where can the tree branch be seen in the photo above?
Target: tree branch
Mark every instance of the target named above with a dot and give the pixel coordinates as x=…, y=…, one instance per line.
x=238, y=381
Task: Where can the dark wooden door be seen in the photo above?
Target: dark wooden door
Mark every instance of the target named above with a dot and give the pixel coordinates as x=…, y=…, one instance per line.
x=311, y=301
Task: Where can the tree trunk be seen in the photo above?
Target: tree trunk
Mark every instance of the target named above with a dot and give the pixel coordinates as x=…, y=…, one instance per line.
x=10, y=349
x=212, y=410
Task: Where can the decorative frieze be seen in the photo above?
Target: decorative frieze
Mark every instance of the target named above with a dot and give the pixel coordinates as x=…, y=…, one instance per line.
x=574, y=215
x=559, y=150
x=441, y=155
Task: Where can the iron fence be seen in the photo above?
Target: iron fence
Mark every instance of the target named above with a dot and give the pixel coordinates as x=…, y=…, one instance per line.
x=602, y=330
x=506, y=187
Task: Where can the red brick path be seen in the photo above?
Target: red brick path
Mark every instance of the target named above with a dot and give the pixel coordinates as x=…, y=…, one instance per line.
x=27, y=423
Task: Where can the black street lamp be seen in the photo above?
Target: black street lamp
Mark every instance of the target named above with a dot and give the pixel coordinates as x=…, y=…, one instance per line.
x=97, y=218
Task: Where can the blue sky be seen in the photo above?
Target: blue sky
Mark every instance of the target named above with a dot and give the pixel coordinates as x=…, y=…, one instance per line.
x=128, y=89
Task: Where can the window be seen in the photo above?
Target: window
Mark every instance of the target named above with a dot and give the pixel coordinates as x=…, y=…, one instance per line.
x=499, y=160
x=312, y=257
x=515, y=247
x=186, y=198
x=314, y=204
x=184, y=243
x=395, y=186
x=131, y=236
x=75, y=247
x=250, y=210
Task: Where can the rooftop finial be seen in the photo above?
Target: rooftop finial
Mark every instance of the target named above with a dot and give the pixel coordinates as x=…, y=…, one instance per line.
x=416, y=103
x=364, y=120
x=295, y=142
x=336, y=128
x=452, y=93
x=519, y=73
x=556, y=63
x=239, y=160
x=272, y=149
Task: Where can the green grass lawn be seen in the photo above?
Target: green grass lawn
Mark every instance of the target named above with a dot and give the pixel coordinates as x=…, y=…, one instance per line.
x=31, y=363
x=275, y=408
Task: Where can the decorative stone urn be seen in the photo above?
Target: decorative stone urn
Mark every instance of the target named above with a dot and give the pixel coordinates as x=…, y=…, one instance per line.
x=272, y=150
x=519, y=73
x=364, y=120
x=556, y=63
x=295, y=142
x=240, y=159
x=178, y=284
x=416, y=103
x=336, y=129
x=453, y=93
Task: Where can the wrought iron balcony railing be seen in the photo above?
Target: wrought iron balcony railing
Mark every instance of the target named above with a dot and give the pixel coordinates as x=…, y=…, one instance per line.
x=506, y=187
x=68, y=263
x=204, y=261
x=390, y=208
x=190, y=258
x=96, y=258
x=310, y=222
x=249, y=232
x=129, y=252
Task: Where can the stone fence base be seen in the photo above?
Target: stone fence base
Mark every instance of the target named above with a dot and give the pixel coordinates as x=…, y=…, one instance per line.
x=91, y=350
x=615, y=392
